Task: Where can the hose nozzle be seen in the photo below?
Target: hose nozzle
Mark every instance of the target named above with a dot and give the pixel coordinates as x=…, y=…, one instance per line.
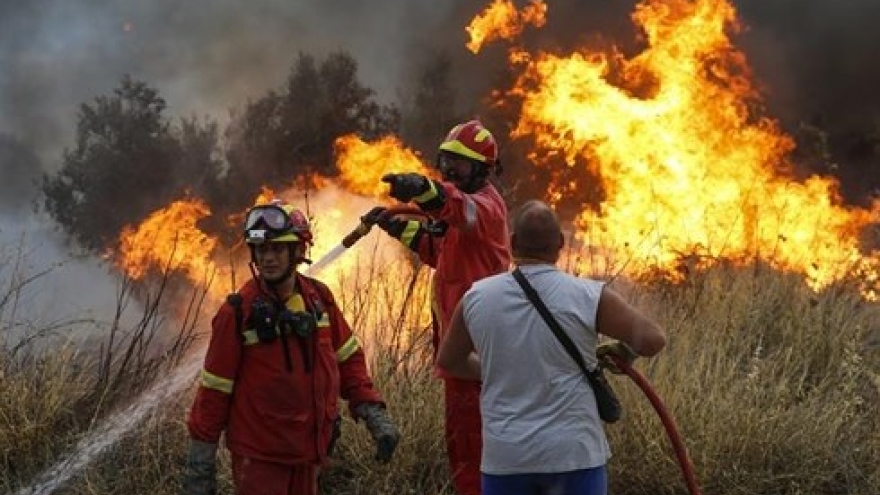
x=355, y=235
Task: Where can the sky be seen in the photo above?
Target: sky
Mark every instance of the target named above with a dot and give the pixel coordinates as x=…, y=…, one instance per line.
x=814, y=59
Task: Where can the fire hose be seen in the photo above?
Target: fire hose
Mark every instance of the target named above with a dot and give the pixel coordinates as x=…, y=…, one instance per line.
x=681, y=452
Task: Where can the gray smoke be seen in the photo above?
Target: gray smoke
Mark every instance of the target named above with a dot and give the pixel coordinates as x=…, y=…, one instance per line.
x=204, y=56
x=813, y=57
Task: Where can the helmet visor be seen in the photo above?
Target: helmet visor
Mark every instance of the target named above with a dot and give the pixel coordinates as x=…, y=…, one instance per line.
x=269, y=223
x=271, y=216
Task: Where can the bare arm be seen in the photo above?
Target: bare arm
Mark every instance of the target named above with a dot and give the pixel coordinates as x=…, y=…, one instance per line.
x=620, y=320
x=456, y=354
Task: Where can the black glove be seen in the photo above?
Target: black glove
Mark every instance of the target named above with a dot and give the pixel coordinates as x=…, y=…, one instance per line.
x=405, y=187
x=377, y=216
x=380, y=217
x=200, y=476
x=383, y=430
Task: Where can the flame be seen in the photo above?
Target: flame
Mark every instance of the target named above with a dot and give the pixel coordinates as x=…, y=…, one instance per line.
x=687, y=163
x=502, y=21
x=170, y=238
x=362, y=164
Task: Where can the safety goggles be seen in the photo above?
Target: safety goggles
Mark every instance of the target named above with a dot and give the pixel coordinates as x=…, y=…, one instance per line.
x=454, y=167
x=272, y=217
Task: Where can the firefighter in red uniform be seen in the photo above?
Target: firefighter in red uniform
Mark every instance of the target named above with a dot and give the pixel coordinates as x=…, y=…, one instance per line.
x=464, y=240
x=280, y=355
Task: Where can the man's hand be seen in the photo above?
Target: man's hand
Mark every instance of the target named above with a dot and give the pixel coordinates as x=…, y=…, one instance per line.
x=405, y=187
x=200, y=476
x=617, y=349
x=384, y=432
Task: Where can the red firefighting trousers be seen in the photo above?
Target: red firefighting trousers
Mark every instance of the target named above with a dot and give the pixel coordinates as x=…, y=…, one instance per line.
x=464, y=444
x=255, y=477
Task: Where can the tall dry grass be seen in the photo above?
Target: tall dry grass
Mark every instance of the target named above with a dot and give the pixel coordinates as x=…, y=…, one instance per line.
x=774, y=388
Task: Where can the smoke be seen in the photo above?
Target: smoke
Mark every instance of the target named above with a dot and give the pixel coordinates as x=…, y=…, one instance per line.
x=204, y=56
x=816, y=58
x=813, y=57
x=45, y=293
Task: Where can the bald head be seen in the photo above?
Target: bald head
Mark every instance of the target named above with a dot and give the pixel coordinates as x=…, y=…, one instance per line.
x=536, y=232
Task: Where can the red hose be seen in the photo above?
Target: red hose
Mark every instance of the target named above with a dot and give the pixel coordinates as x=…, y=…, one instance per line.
x=681, y=453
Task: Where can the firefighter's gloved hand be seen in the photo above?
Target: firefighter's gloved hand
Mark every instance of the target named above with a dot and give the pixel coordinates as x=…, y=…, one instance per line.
x=383, y=430
x=377, y=216
x=405, y=187
x=380, y=217
x=618, y=349
x=200, y=476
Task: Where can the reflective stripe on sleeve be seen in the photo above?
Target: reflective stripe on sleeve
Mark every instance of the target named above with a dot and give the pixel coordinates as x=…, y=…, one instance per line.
x=470, y=213
x=407, y=237
x=428, y=195
x=347, y=349
x=217, y=383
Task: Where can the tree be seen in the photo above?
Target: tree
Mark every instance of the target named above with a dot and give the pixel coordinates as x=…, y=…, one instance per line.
x=128, y=162
x=432, y=108
x=290, y=132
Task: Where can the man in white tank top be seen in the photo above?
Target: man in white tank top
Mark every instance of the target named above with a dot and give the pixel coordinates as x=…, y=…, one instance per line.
x=541, y=430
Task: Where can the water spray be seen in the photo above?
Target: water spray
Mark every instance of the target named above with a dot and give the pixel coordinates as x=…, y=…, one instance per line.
x=110, y=431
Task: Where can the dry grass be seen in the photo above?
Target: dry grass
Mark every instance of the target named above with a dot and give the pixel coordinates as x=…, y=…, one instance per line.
x=774, y=388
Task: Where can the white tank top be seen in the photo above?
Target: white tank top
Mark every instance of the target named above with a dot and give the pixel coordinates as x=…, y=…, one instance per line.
x=538, y=409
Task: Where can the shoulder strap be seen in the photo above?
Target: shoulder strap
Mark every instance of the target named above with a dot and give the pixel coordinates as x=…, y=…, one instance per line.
x=551, y=321
x=235, y=300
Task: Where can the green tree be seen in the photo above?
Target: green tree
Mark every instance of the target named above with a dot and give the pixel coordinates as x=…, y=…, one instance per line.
x=128, y=162
x=290, y=132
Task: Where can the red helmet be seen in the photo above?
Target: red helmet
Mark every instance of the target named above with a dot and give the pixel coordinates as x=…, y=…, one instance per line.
x=276, y=222
x=472, y=140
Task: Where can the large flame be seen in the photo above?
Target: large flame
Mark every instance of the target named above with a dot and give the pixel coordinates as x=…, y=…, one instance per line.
x=501, y=20
x=362, y=164
x=687, y=163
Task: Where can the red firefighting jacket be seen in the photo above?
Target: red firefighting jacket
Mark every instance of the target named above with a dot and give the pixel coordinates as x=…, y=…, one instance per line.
x=475, y=244
x=270, y=408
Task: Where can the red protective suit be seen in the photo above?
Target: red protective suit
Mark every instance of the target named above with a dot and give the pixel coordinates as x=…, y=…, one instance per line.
x=277, y=401
x=475, y=245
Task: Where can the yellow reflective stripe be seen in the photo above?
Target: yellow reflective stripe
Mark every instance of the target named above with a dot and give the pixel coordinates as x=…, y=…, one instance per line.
x=428, y=195
x=250, y=337
x=324, y=321
x=409, y=233
x=218, y=383
x=347, y=349
x=460, y=149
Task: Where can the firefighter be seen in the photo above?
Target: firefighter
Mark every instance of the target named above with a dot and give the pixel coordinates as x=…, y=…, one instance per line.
x=464, y=239
x=280, y=355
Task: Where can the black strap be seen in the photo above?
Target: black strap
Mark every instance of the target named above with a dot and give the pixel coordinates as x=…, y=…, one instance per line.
x=551, y=322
